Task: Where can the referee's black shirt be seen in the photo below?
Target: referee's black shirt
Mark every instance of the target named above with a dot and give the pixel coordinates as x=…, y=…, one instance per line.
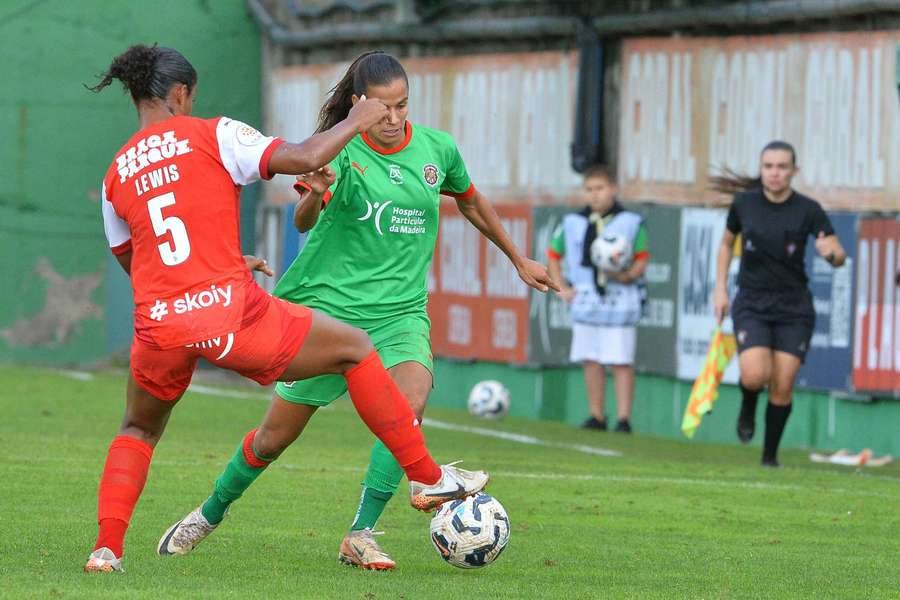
x=774, y=239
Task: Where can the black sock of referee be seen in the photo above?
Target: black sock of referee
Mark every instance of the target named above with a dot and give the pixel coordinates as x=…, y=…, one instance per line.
x=748, y=402
x=776, y=417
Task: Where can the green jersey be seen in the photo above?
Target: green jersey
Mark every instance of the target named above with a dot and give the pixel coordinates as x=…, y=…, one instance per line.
x=367, y=258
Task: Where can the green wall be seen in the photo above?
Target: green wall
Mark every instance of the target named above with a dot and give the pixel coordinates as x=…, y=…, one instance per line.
x=62, y=299
x=817, y=421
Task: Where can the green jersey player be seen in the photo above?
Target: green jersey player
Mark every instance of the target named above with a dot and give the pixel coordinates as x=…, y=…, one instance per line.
x=372, y=217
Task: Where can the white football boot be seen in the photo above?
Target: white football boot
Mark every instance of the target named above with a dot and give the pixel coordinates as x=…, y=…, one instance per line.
x=359, y=549
x=102, y=560
x=454, y=483
x=183, y=536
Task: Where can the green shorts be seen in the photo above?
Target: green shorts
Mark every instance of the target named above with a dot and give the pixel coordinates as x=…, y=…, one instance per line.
x=400, y=340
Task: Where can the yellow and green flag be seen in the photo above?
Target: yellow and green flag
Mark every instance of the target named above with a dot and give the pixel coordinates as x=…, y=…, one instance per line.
x=706, y=387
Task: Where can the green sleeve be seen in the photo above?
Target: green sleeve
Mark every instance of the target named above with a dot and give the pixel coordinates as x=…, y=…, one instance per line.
x=558, y=243
x=640, y=240
x=457, y=177
x=339, y=165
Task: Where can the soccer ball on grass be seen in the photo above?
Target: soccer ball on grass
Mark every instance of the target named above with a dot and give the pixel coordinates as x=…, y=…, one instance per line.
x=470, y=533
x=489, y=400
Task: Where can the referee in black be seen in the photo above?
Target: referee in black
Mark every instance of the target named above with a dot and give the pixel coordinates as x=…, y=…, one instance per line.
x=773, y=310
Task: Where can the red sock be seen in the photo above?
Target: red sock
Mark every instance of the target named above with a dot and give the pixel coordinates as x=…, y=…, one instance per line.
x=124, y=474
x=386, y=412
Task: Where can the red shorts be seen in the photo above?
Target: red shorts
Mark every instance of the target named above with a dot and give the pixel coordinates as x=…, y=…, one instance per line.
x=260, y=351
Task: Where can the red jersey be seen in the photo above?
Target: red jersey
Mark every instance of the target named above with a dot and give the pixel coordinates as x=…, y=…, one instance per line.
x=172, y=196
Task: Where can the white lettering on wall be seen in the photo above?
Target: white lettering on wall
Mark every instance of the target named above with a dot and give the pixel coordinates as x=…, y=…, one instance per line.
x=842, y=128
x=459, y=325
x=459, y=257
x=503, y=329
x=656, y=137
x=747, y=105
x=502, y=278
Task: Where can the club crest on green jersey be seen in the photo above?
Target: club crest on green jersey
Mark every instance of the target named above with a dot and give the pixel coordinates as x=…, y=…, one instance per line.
x=430, y=174
x=395, y=174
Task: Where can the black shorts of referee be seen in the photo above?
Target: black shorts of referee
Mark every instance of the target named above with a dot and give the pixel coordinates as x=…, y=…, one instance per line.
x=780, y=320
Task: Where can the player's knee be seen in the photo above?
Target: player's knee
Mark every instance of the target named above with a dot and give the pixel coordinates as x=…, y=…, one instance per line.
x=148, y=435
x=358, y=347
x=754, y=378
x=417, y=403
x=780, y=393
x=269, y=443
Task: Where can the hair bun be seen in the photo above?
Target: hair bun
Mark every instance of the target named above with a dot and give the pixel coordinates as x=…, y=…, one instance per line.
x=135, y=69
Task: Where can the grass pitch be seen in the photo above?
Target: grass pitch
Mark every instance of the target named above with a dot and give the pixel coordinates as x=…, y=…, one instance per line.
x=667, y=519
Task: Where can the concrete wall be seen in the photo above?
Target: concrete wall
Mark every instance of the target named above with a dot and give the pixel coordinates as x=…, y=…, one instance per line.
x=63, y=300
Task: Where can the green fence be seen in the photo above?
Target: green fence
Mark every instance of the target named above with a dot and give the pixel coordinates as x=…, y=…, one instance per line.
x=818, y=420
x=58, y=141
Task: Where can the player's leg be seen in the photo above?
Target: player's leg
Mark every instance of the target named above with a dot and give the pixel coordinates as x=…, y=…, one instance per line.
x=129, y=455
x=623, y=378
x=595, y=385
x=282, y=424
x=383, y=476
x=618, y=352
x=791, y=341
x=317, y=345
x=784, y=372
x=585, y=350
x=335, y=347
x=754, y=341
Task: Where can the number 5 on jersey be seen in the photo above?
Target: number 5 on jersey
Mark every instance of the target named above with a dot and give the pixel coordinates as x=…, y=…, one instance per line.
x=178, y=250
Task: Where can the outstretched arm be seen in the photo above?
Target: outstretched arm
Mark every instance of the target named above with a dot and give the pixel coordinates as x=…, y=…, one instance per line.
x=318, y=150
x=481, y=214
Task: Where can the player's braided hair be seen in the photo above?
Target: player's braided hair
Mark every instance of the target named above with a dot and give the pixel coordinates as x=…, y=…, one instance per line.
x=149, y=71
x=369, y=68
x=731, y=182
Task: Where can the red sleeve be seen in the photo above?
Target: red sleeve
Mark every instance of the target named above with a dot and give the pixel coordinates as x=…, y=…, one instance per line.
x=121, y=248
x=264, y=159
x=644, y=255
x=466, y=195
x=551, y=253
x=301, y=187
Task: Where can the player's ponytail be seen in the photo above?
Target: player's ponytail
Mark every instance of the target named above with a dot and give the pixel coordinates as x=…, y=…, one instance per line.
x=369, y=68
x=149, y=72
x=731, y=182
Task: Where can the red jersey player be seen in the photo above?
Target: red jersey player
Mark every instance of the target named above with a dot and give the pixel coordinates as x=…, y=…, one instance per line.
x=171, y=213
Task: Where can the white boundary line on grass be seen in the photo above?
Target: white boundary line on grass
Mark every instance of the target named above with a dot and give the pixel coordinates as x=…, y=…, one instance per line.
x=648, y=479
x=482, y=431
x=213, y=391
x=521, y=438
x=79, y=375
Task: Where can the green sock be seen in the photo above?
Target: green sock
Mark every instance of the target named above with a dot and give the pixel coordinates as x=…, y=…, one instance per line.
x=237, y=477
x=382, y=478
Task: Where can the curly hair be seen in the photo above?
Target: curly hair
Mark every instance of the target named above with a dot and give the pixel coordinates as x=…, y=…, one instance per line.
x=148, y=72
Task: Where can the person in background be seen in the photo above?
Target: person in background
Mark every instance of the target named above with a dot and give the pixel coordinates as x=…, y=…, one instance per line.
x=773, y=310
x=605, y=306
